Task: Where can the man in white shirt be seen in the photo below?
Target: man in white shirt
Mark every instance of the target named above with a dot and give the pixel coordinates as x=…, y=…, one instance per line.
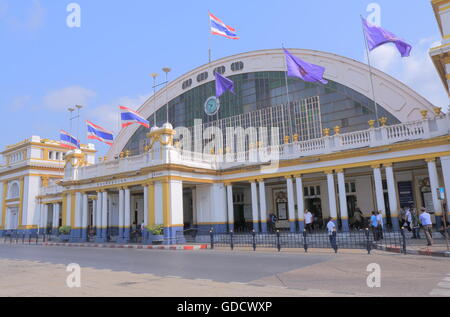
x=308, y=221
x=425, y=220
x=380, y=224
x=332, y=234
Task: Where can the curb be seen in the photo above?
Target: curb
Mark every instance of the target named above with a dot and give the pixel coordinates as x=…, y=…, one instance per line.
x=414, y=252
x=127, y=246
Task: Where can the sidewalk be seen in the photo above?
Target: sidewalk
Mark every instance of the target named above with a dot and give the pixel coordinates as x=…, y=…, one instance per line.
x=419, y=247
x=190, y=247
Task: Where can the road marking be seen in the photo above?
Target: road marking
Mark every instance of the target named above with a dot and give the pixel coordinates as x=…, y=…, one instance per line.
x=444, y=289
x=440, y=292
x=444, y=285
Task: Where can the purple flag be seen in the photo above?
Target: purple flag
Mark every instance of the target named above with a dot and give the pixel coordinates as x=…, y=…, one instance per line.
x=223, y=84
x=303, y=70
x=377, y=36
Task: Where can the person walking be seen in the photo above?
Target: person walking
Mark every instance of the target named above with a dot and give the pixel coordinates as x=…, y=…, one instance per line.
x=425, y=220
x=273, y=222
x=380, y=226
x=374, y=225
x=309, y=219
x=408, y=219
x=415, y=223
x=358, y=219
x=332, y=234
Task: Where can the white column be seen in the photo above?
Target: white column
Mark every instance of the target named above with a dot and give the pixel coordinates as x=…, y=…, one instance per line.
x=56, y=212
x=45, y=216
x=255, y=206
x=343, y=200
x=94, y=213
x=145, y=205
x=379, y=190
x=85, y=206
x=230, y=206
x=121, y=210
x=332, y=195
x=104, y=210
x=127, y=206
x=392, y=192
x=300, y=202
x=434, y=184
x=445, y=162
x=262, y=205
x=78, y=210
x=99, y=210
x=291, y=203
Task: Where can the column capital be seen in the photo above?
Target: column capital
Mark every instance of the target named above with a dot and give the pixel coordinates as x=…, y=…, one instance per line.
x=260, y=180
x=288, y=177
x=340, y=170
x=430, y=160
x=329, y=172
x=375, y=166
x=228, y=184
x=388, y=164
x=252, y=181
x=298, y=175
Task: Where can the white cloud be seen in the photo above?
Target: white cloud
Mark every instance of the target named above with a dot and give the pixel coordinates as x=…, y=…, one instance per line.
x=20, y=102
x=33, y=20
x=68, y=97
x=416, y=71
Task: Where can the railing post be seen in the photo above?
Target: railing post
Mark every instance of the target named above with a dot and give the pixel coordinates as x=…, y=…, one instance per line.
x=278, y=241
x=211, y=233
x=254, y=239
x=403, y=240
x=305, y=242
x=369, y=247
x=231, y=240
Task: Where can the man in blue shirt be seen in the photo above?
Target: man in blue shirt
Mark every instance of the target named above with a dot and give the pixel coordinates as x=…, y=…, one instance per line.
x=374, y=225
x=427, y=225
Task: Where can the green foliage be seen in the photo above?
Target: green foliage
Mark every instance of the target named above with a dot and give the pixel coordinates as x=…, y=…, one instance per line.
x=65, y=230
x=156, y=230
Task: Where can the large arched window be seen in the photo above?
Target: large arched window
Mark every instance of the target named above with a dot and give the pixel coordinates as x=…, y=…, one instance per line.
x=14, y=191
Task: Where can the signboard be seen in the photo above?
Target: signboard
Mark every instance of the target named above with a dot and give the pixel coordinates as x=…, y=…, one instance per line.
x=441, y=193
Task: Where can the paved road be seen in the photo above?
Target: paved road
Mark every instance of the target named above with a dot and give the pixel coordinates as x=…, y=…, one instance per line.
x=40, y=271
x=217, y=266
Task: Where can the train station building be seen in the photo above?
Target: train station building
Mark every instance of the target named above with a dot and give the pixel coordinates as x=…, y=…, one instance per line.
x=277, y=146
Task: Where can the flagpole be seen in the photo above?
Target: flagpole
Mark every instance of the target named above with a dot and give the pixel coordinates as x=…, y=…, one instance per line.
x=287, y=94
x=209, y=38
x=371, y=75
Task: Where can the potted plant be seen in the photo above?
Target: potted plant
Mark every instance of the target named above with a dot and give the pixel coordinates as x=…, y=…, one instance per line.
x=156, y=234
x=64, y=233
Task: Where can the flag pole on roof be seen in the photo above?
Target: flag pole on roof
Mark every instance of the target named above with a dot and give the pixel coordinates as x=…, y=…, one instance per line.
x=374, y=37
x=287, y=94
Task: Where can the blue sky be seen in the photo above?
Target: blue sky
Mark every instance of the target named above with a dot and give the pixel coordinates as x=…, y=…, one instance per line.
x=46, y=66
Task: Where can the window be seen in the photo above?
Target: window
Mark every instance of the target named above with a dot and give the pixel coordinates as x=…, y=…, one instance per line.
x=237, y=66
x=220, y=70
x=202, y=76
x=187, y=84
x=14, y=191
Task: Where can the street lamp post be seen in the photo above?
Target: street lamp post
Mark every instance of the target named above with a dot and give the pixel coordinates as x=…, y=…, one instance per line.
x=154, y=75
x=167, y=71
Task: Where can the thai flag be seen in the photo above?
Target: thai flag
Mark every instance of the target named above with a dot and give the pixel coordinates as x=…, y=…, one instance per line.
x=96, y=132
x=68, y=141
x=219, y=28
x=130, y=117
